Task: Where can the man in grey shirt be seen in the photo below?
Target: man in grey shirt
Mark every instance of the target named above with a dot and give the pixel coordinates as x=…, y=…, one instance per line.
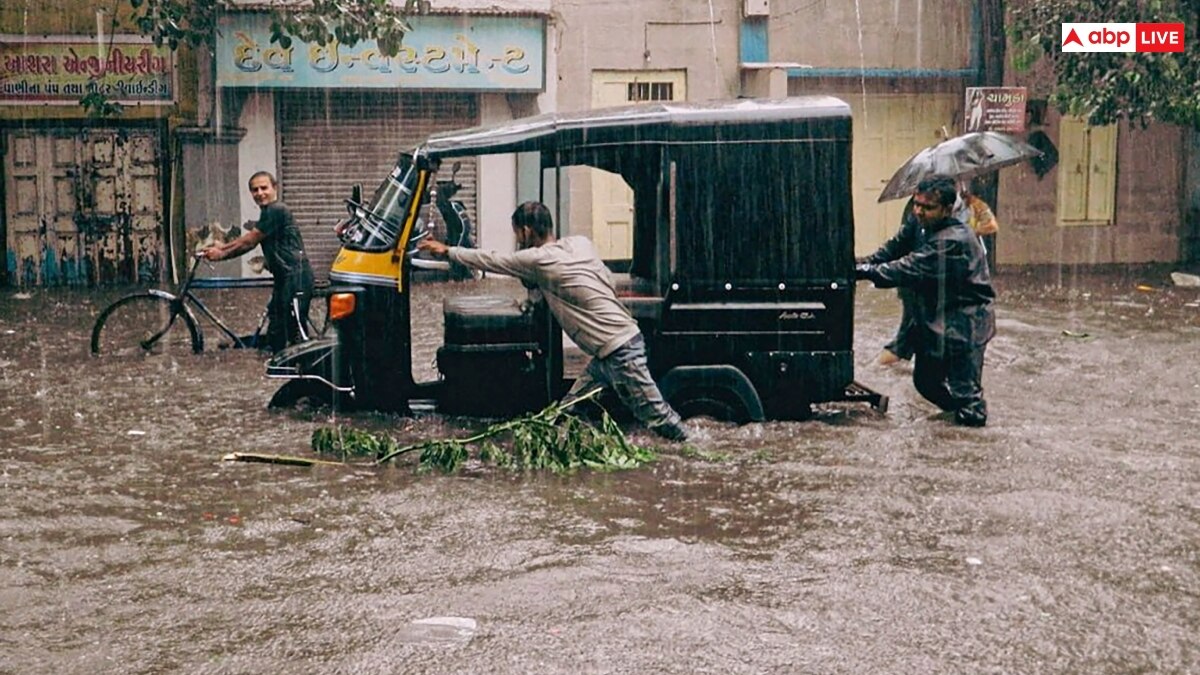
x=578, y=289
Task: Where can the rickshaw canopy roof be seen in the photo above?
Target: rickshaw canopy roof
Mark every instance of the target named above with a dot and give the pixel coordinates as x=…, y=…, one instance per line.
x=658, y=122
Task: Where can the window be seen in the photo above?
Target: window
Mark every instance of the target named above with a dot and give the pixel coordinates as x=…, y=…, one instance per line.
x=650, y=91
x=1087, y=173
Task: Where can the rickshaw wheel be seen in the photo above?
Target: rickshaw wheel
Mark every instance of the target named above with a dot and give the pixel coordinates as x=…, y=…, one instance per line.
x=719, y=404
x=293, y=391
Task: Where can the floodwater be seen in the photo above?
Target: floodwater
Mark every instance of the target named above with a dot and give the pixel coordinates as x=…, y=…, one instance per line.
x=1064, y=537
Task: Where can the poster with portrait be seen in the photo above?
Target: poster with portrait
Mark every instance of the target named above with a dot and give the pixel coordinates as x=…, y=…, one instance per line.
x=995, y=109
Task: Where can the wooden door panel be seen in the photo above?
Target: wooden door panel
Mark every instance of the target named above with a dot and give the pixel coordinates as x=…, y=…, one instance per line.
x=73, y=201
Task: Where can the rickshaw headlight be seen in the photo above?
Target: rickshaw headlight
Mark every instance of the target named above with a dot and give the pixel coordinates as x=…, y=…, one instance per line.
x=341, y=305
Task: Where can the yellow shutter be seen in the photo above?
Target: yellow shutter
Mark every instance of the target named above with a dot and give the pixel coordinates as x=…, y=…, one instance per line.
x=1102, y=173
x=1087, y=172
x=1072, y=170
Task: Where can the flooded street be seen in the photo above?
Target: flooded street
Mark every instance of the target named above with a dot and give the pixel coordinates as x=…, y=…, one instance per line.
x=1064, y=537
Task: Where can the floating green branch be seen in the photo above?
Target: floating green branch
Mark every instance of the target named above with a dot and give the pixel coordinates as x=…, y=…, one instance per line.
x=344, y=443
x=551, y=439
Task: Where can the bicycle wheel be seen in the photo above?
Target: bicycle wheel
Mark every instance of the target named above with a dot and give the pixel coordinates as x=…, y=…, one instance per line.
x=145, y=323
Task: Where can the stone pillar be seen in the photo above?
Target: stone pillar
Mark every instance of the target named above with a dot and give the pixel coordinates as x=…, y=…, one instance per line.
x=211, y=190
x=765, y=80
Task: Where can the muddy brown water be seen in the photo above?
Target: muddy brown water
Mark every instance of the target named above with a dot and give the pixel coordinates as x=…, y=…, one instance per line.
x=1061, y=538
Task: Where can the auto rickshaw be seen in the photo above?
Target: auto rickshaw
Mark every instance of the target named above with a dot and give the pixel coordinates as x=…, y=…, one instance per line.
x=741, y=276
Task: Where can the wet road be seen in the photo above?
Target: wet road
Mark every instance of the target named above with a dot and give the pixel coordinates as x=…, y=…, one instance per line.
x=1064, y=537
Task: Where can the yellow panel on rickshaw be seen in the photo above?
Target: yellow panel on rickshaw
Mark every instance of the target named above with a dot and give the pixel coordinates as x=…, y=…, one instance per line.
x=378, y=268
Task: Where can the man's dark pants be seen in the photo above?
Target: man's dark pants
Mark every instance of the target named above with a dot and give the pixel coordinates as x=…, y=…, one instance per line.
x=283, y=328
x=902, y=344
x=954, y=382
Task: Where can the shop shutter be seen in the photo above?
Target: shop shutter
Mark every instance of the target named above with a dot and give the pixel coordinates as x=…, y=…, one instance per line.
x=332, y=139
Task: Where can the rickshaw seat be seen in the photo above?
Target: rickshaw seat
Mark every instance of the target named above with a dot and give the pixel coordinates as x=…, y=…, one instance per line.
x=639, y=295
x=486, y=319
x=629, y=286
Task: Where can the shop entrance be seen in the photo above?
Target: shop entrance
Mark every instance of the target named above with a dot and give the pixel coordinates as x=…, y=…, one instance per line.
x=83, y=206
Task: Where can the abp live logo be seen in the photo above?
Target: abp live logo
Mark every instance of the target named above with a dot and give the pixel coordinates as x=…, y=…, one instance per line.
x=1122, y=37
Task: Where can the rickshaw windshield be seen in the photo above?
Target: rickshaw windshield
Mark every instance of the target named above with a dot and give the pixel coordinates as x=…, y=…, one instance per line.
x=376, y=225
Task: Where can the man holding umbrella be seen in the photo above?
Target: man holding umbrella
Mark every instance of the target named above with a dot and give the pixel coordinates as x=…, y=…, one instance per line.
x=948, y=274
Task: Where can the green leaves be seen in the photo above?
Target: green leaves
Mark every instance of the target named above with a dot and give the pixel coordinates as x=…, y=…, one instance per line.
x=347, y=22
x=1107, y=87
x=97, y=106
x=552, y=439
x=177, y=22
x=344, y=443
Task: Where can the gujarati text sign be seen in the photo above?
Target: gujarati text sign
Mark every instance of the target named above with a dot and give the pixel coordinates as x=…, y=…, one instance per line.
x=995, y=109
x=63, y=69
x=442, y=52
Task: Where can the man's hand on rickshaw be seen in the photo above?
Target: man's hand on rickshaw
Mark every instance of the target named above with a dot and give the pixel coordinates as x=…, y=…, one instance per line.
x=211, y=253
x=437, y=248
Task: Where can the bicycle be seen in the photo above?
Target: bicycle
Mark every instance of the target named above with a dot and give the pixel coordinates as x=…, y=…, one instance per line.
x=148, y=322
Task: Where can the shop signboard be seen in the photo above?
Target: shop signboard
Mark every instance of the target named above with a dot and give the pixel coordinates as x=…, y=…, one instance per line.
x=461, y=52
x=62, y=69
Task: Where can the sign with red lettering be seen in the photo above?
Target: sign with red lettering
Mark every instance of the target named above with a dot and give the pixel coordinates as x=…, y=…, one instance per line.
x=1122, y=37
x=995, y=109
x=60, y=70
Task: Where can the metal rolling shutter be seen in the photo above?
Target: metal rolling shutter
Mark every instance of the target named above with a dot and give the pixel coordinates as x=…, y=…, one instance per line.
x=332, y=139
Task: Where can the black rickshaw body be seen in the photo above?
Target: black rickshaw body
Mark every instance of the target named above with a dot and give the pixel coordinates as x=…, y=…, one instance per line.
x=741, y=277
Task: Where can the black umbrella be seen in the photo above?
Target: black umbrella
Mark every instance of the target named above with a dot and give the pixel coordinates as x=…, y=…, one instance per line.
x=962, y=157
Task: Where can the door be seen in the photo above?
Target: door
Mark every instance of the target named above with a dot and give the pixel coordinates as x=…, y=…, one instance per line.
x=612, y=199
x=83, y=207
x=1087, y=171
x=887, y=131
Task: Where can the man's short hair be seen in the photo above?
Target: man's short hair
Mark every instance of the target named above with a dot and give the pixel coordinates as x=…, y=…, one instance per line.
x=535, y=216
x=943, y=187
x=270, y=176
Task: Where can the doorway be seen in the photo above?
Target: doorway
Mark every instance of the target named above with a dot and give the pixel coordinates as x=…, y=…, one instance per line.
x=83, y=207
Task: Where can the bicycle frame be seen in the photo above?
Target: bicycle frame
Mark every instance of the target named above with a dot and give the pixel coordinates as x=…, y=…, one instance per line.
x=185, y=294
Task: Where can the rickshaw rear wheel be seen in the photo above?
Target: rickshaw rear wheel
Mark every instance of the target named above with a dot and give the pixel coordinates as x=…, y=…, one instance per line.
x=717, y=403
x=293, y=391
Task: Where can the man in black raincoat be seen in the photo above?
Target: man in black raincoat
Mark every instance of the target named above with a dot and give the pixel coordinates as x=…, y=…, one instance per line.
x=907, y=239
x=953, y=318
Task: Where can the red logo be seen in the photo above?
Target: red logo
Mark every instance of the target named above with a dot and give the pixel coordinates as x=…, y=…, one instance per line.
x=1122, y=37
x=1160, y=37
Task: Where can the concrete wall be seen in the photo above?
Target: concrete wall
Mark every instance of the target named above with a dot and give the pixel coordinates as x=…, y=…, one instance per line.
x=591, y=35
x=663, y=34
x=1147, y=217
x=895, y=33
x=256, y=152
x=1149, y=207
x=497, y=183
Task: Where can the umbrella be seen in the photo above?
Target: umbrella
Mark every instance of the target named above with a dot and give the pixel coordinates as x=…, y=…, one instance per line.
x=962, y=157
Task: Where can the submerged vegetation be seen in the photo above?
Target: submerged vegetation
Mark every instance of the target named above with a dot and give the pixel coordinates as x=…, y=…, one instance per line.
x=552, y=439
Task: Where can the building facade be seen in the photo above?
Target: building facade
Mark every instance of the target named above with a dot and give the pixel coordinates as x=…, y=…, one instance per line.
x=86, y=201
x=93, y=201
x=326, y=118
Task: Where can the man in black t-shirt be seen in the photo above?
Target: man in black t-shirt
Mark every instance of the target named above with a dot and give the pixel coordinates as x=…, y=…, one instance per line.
x=283, y=249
